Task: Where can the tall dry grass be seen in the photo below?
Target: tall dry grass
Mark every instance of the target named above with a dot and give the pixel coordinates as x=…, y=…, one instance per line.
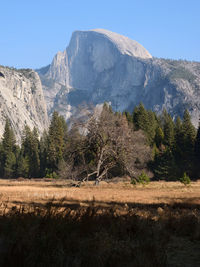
x=64, y=234
x=50, y=223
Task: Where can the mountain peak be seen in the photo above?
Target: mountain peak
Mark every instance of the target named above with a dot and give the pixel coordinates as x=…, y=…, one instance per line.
x=102, y=66
x=124, y=44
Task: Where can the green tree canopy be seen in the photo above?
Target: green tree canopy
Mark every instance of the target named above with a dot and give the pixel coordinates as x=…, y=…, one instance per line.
x=56, y=140
x=8, y=151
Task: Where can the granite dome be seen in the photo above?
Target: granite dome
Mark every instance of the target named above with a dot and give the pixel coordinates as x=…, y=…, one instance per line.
x=99, y=65
x=125, y=44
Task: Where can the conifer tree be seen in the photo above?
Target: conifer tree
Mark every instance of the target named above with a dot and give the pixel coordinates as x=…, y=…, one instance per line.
x=30, y=148
x=152, y=125
x=1, y=160
x=23, y=166
x=146, y=121
x=56, y=145
x=44, y=142
x=140, y=118
x=8, y=141
x=178, y=149
x=10, y=165
x=189, y=135
x=168, y=128
x=35, y=158
x=197, y=144
x=8, y=149
x=164, y=166
x=179, y=138
x=159, y=136
x=188, y=128
x=178, y=126
x=197, y=152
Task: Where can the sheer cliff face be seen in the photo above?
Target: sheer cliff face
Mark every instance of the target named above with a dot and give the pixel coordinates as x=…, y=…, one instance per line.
x=100, y=66
x=22, y=100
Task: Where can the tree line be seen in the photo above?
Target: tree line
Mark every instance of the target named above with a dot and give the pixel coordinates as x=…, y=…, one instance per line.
x=110, y=145
x=175, y=143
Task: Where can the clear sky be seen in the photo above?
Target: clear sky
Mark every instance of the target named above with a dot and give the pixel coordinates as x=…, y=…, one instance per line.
x=33, y=31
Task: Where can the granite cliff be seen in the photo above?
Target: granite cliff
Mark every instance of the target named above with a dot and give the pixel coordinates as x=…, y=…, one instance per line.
x=22, y=100
x=100, y=65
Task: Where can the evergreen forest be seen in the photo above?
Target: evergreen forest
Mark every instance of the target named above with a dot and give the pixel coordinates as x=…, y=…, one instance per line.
x=111, y=145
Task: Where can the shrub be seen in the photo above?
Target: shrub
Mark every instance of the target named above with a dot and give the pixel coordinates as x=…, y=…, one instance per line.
x=52, y=175
x=143, y=178
x=185, y=179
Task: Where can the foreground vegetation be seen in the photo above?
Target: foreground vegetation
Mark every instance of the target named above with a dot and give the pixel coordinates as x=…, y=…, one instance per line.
x=64, y=235
x=49, y=222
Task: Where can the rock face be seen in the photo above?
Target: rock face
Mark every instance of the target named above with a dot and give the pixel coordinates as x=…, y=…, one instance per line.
x=100, y=65
x=22, y=100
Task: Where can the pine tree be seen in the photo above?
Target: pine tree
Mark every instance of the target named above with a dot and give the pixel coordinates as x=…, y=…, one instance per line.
x=44, y=142
x=164, y=166
x=10, y=165
x=159, y=136
x=152, y=125
x=8, y=151
x=189, y=135
x=188, y=128
x=30, y=148
x=35, y=158
x=23, y=166
x=1, y=160
x=179, y=138
x=168, y=128
x=178, y=148
x=8, y=141
x=146, y=121
x=57, y=135
x=140, y=118
x=197, y=152
x=197, y=144
x=178, y=126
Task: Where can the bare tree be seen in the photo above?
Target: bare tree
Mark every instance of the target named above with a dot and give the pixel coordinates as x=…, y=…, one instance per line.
x=109, y=142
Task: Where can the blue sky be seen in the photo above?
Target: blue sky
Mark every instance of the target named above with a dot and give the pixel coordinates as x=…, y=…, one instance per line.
x=32, y=32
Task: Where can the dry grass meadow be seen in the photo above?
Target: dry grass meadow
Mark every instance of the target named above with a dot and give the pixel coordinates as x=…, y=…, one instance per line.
x=21, y=192
x=53, y=223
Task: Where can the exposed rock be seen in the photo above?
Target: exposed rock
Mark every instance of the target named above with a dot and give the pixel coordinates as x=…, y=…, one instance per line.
x=22, y=100
x=2, y=75
x=100, y=66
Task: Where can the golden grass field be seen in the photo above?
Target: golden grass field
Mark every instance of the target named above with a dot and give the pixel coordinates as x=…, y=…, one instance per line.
x=19, y=192
x=113, y=224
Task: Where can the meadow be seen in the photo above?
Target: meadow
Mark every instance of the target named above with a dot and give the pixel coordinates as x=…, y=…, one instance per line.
x=54, y=223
